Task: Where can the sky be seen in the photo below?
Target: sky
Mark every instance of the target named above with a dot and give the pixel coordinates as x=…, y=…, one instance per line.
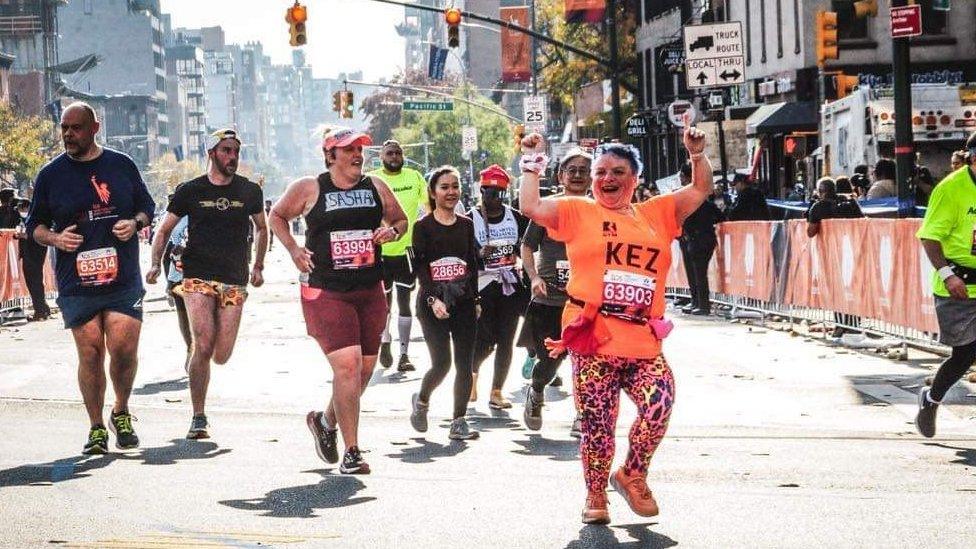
x=343, y=35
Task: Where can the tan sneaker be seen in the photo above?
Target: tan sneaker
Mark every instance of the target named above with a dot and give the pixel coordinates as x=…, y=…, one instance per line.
x=497, y=401
x=634, y=489
x=595, y=511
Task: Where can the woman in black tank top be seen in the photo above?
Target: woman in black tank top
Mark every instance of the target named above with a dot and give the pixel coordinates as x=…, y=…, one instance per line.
x=349, y=216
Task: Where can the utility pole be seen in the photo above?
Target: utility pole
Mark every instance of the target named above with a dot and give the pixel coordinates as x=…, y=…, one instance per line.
x=904, y=148
x=611, y=20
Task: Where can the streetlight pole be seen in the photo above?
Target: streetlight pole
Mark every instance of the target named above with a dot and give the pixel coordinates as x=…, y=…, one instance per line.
x=611, y=18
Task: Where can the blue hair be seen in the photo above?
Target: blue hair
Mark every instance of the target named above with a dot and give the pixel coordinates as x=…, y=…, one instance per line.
x=624, y=151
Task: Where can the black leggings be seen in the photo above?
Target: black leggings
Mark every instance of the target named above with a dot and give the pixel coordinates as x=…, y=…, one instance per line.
x=496, y=329
x=544, y=321
x=460, y=328
x=953, y=369
x=403, y=300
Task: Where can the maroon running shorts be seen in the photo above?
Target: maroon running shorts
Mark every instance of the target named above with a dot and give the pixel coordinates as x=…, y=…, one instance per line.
x=345, y=319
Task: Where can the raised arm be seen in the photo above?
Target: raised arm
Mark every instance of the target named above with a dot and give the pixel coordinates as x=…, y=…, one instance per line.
x=688, y=199
x=541, y=210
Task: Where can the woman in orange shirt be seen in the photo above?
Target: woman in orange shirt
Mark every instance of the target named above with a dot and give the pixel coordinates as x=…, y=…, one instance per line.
x=619, y=256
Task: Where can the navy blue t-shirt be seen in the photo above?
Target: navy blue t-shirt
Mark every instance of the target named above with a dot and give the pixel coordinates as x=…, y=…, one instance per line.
x=93, y=195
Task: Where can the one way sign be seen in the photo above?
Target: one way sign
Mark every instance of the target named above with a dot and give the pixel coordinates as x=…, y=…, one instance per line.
x=714, y=55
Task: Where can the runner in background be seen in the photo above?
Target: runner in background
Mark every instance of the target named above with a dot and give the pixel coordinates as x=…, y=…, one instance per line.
x=447, y=267
x=549, y=277
x=410, y=189
x=503, y=296
x=613, y=326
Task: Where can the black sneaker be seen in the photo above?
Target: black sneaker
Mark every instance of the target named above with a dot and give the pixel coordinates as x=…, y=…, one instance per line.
x=386, y=357
x=533, y=409
x=405, y=365
x=125, y=435
x=97, y=441
x=325, y=439
x=556, y=382
x=925, y=419
x=418, y=414
x=461, y=431
x=198, y=428
x=353, y=463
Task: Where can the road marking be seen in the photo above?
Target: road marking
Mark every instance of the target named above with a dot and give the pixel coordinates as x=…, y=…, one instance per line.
x=200, y=540
x=905, y=402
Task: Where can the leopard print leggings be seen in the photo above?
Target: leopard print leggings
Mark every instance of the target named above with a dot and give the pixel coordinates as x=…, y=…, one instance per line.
x=597, y=381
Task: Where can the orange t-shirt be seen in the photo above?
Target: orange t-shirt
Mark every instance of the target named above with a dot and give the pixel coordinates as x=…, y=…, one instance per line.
x=619, y=259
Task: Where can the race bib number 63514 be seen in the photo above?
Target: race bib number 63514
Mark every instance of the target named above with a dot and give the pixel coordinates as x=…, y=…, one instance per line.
x=97, y=267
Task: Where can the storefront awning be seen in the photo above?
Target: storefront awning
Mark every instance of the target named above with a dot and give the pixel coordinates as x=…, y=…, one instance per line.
x=798, y=116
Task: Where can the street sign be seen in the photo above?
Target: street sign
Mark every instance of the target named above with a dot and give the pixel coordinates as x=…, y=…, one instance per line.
x=906, y=21
x=716, y=100
x=672, y=58
x=469, y=139
x=676, y=111
x=637, y=126
x=714, y=55
x=427, y=105
x=534, y=108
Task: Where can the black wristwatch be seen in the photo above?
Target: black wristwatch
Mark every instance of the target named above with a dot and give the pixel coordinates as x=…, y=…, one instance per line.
x=139, y=224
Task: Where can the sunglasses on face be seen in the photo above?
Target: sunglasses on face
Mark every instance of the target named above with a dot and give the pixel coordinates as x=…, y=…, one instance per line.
x=491, y=192
x=576, y=171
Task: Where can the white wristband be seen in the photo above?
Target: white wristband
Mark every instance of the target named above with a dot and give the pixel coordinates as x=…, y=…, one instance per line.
x=534, y=163
x=946, y=272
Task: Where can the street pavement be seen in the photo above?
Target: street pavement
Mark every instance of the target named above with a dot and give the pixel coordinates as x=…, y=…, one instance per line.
x=775, y=441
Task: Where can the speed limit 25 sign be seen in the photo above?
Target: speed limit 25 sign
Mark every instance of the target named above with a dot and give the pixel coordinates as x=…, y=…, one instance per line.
x=535, y=114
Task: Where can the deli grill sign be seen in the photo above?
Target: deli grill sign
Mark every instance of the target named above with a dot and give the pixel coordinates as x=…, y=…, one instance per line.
x=906, y=21
x=637, y=126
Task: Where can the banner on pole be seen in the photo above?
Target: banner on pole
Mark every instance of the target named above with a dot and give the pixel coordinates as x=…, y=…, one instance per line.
x=585, y=11
x=516, y=46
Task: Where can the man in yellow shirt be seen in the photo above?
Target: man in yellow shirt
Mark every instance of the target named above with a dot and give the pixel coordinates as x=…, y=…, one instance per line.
x=410, y=189
x=948, y=235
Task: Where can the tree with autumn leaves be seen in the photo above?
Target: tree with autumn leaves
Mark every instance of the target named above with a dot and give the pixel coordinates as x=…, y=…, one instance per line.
x=26, y=143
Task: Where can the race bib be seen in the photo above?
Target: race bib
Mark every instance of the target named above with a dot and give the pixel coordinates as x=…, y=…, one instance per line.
x=352, y=249
x=97, y=267
x=562, y=274
x=630, y=292
x=448, y=269
x=503, y=255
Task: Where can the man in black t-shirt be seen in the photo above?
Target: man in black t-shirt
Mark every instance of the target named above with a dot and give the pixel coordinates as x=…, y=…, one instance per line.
x=220, y=207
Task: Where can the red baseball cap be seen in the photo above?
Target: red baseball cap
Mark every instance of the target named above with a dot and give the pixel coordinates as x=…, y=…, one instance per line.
x=495, y=176
x=343, y=137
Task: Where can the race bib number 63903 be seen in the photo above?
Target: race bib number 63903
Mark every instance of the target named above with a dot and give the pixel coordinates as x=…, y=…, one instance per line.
x=628, y=289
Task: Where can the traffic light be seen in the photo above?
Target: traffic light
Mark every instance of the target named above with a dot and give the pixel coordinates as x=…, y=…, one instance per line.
x=296, y=16
x=866, y=8
x=518, y=132
x=795, y=146
x=347, y=104
x=337, y=101
x=452, y=17
x=826, y=36
x=846, y=84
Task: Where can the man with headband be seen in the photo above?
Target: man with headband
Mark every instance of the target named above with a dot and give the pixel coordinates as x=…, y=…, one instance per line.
x=219, y=206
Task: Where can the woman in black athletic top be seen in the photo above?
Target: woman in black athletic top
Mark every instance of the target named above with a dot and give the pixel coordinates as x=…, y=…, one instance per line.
x=447, y=267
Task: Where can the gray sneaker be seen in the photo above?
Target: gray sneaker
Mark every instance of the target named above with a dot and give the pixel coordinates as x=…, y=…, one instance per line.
x=925, y=419
x=418, y=417
x=533, y=409
x=198, y=428
x=576, y=431
x=461, y=431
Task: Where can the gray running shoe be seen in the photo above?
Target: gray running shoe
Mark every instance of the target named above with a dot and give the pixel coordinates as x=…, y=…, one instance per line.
x=576, y=431
x=461, y=431
x=353, y=463
x=405, y=365
x=925, y=419
x=533, y=409
x=325, y=439
x=97, y=441
x=198, y=428
x=418, y=417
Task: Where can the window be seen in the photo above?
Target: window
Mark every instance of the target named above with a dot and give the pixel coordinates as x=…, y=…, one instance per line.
x=848, y=26
x=934, y=22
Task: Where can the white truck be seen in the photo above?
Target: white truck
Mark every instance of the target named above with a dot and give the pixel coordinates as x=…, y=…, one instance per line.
x=860, y=128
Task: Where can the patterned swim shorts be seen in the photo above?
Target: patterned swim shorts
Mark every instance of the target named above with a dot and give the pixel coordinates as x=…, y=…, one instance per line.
x=227, y=294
